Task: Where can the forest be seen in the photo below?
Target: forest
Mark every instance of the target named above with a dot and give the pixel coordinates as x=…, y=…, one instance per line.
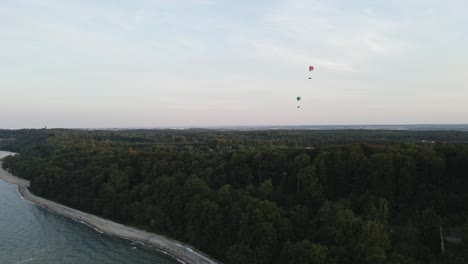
x=267, y=196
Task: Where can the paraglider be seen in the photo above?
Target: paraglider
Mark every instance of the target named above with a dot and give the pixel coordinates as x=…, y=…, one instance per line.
x=311, y=68
x=298, y=100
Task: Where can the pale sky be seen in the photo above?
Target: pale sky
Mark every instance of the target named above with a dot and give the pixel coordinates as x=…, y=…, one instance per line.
x=171, y=63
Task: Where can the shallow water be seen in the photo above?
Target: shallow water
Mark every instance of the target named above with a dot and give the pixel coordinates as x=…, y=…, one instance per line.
x=31, y=234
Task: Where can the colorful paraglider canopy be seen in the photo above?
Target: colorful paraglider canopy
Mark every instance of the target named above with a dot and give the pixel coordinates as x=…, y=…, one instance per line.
x=311, y=68
x=298, y=98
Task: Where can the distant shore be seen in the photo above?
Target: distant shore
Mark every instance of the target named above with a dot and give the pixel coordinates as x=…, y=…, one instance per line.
x=182, y=253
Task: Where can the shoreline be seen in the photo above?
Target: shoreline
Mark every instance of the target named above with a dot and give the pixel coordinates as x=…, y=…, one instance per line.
x=173, y=248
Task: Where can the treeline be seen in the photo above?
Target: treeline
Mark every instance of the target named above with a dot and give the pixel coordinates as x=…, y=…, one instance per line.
x=266, y=196
x=202, y=139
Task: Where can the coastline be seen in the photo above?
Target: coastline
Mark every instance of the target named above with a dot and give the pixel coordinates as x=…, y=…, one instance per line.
x=175, y=249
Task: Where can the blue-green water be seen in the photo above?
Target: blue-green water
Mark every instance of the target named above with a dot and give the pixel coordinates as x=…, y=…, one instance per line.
x=31, y=234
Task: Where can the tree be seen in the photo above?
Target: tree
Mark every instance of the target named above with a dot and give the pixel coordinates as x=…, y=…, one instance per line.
x=265, y=191
x=373, y=243
x=303, y=252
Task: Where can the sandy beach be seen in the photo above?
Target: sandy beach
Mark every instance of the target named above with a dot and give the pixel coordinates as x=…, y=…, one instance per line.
x=181, y=252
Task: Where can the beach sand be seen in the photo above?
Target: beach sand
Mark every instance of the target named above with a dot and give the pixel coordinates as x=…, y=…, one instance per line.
x=181, y=252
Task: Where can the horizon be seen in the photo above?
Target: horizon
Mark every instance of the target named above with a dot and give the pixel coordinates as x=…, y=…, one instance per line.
x=207, y=63
x=420, y=127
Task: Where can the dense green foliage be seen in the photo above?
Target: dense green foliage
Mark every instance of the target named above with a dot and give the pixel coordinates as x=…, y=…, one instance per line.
x=345, y=196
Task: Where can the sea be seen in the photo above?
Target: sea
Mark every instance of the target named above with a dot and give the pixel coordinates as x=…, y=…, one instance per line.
x=32, y=234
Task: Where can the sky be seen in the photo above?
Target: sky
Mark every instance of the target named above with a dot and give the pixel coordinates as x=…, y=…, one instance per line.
x=192, y=63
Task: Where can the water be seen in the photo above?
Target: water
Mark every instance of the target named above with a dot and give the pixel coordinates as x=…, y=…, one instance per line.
x=31, y=234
